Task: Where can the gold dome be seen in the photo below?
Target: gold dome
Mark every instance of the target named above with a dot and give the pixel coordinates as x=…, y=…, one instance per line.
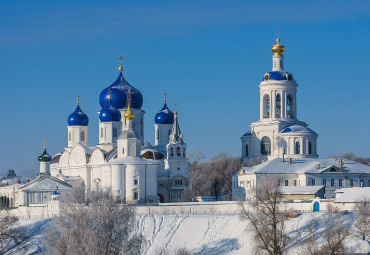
x=278, y=49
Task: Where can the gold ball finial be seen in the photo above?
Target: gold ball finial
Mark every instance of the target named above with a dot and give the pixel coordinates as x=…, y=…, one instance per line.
x=120, y=68
x=277, y=49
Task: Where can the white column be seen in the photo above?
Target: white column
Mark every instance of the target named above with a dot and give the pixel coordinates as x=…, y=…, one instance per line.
x=261, y=105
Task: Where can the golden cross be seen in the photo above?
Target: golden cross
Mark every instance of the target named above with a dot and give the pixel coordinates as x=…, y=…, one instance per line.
x=176, y=107
x=165, y=97
x=44, y=142
x=120, y=60
x=78, y=99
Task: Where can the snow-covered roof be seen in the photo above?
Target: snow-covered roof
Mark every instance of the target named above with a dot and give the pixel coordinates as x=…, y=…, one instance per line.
x=298, y=129
x=45, y=182
x=132, y=161
x=300, y=189
x=350, y=195
x=306, y=165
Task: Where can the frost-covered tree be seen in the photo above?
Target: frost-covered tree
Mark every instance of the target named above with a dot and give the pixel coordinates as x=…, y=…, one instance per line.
x=267, y=218
x=12, y=237
x=362, y=223
x=93, y=224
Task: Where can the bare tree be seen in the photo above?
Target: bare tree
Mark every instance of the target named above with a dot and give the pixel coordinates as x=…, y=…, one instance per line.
x=12, y=237
x=330, y=237
x=267, y=218
x=94, y=224
x=362, y=223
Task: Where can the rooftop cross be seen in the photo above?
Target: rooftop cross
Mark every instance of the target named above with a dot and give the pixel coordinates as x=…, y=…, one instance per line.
x=277, y=34
x=165, y=97
x=44, y=142
x=78, y=99
x=120, y=68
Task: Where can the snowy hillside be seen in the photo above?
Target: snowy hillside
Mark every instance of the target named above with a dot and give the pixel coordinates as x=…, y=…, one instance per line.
x=201, y=234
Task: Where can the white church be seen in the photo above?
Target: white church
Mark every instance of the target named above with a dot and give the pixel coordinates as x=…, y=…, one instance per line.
x=137, y=172
x=287, y=145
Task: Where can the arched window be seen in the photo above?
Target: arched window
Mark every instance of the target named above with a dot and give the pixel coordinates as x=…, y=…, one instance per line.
x=123, y=151
x=82, y=136
x=246, y=150
x=101, y=132
x=289, y=107
x=309, y=148
x=266, y=106
x=114, y=132
x=171, y=151
x=184, y=152
x=69, y=136
x=265, y=146
x=278, y=106
x=178, y=151
x=157, y=134
x=297, y=148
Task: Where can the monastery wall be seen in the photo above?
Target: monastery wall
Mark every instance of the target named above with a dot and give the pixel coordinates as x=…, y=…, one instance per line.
x=51, y=209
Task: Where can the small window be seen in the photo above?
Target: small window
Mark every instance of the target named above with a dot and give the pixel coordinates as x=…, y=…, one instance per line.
x=114, y=132
x=123, y=150
x=157, y=134
x=171, y=151
x=82, y=136
x=136, y=182
x=324, y=182
x=101, y=132
x=309, y=148
x=368, y=183
x=178, y=150
x=289, y=76
x=265, y=146
x=351, y=182
x=313, y=182
x=136, y=195
x=286, y=182
x=184, y=152
x=294, y=182
x=297, y=148
x=246, y=150
x=340, y=182
x=266, y=77
x=69, y=136
x=332, y=182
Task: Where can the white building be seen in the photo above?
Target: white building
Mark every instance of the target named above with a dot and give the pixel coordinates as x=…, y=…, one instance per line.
x=279, y=134
x=37, y=192
x=279, y=131
x=332, y=173
x=137, y=172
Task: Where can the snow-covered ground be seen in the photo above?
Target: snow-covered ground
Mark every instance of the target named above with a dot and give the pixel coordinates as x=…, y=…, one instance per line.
x=207, y=234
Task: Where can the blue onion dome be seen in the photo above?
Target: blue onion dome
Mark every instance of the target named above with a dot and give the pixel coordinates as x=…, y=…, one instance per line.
x=44, y=157
x=55, y=193
x=278, y=76
x=164, y=116
x=119, y=96
x=78, y=117
x=109, y=113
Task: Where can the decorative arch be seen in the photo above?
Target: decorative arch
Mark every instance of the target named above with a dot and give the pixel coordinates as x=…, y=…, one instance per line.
x=97, y=157
x=178, y=151
x=78, y=156
x=265, y=146
x=64, y=159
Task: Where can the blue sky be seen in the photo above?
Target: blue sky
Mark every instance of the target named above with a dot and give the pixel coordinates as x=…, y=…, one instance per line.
x=209, y=56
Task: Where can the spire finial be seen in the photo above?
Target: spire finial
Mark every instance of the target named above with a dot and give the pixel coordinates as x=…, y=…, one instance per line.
x=165, y=97
x=110, y=94
x=120, y=68
x=277, y=36
x=129, y=115
x=44, y=143
x=78, y=99
x=175, y=109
